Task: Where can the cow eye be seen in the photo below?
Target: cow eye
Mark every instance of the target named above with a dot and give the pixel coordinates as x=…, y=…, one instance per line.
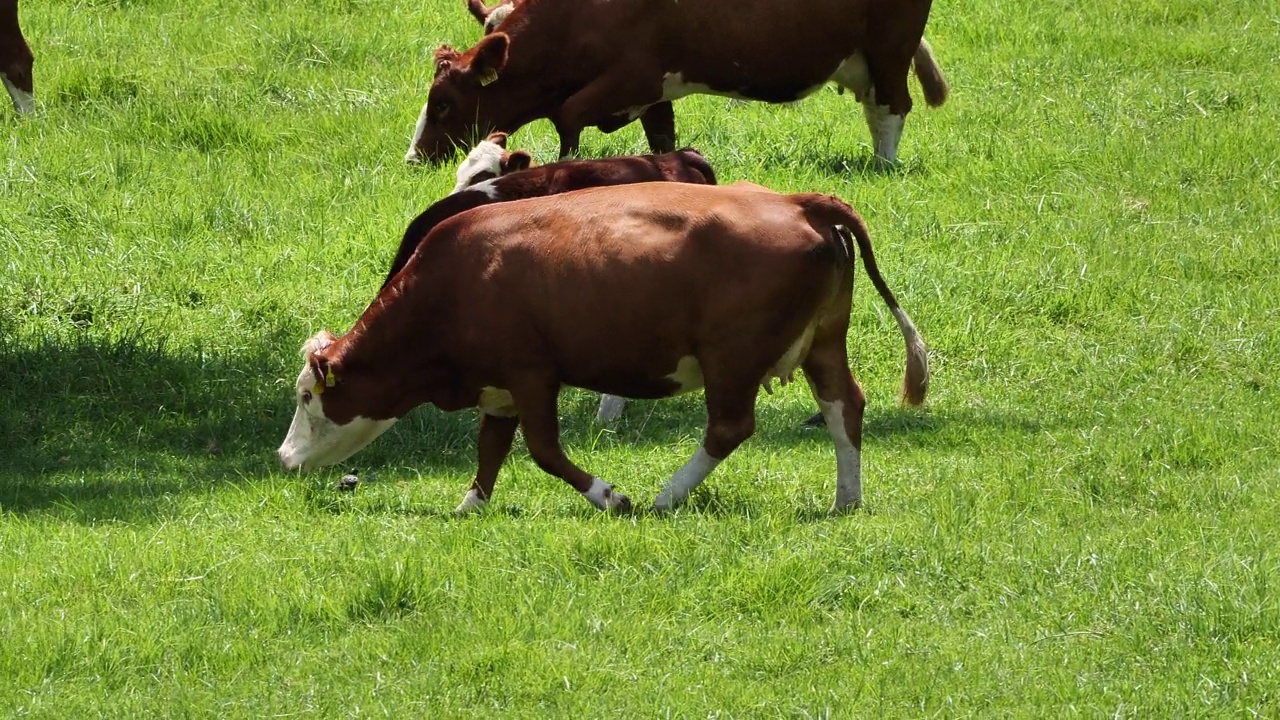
x=440, y=108
x=306, y=396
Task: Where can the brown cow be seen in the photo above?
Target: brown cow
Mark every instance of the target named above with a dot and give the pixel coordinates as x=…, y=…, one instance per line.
x=485, y=177
x=607, y=62
x=643, y=291
x=16, y=59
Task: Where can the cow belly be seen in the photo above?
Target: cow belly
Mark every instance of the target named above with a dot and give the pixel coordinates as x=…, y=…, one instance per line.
x=674, y=87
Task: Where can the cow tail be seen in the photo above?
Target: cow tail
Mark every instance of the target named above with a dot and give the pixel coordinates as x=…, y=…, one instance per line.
x=695, y=161
x=930, y=75
x=826, y=212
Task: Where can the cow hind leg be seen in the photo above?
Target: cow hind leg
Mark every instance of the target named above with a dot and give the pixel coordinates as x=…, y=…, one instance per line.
x=731, y=419
x=841, y=402
x=885, y=107
x=538, y=417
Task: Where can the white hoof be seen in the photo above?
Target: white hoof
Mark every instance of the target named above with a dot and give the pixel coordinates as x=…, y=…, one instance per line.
x=610, y=408
x=471, y=503
x=601, y=495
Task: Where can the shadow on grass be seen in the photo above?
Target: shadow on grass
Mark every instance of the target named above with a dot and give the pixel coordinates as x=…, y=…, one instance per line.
x=119, y=429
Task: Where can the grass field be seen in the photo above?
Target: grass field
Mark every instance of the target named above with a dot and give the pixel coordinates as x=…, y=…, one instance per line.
x=1081, y=521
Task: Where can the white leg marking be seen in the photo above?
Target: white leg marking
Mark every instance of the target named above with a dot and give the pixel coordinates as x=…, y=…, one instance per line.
x=471, y=503
x=685, y=480
x=886, y=129
x=23, y=102
x=601, y=495
x=412, y=155
x=848, y=458
x=610, y=408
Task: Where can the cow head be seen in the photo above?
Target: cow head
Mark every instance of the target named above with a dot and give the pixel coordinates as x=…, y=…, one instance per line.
x=490, y=159
x=455, y=111
x=328, y=425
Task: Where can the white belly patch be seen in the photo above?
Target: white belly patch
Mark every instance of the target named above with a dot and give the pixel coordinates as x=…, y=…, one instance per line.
x=497, y=402
x=688, y=375
x=784, y=370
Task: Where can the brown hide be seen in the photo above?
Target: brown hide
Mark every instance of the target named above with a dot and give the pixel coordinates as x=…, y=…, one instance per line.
x=642, y=291
x=600, y=62
x=687, y=166
x=604, y=288
x=16, y=59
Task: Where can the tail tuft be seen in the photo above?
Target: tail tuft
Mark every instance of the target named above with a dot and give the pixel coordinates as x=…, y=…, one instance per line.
x=930, y=75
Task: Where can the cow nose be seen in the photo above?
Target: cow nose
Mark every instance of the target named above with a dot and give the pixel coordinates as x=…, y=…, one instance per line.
x=414, y=156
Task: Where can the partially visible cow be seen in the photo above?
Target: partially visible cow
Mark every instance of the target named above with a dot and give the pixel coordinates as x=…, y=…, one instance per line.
x=643, y=291
x=607, y=62
x=16, y=59
x=485, y=177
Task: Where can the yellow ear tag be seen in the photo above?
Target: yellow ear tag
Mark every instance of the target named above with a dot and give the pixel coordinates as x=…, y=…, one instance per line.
x=488, y=76
x=318, y=389
x=329, y=379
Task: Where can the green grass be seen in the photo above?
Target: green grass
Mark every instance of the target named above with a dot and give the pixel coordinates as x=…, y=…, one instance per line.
x=1081, y=521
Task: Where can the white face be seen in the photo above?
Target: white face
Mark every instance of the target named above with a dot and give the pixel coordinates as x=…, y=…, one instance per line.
x=314, y=440
x=483, y=158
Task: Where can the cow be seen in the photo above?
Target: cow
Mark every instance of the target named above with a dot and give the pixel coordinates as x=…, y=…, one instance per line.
x=608, y=62
x=486, y=176
x=16, y=59
x=643, y=291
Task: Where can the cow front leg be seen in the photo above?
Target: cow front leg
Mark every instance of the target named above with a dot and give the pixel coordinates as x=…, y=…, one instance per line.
x=731, y=419
x=610, y=408
x=496, y=436
x=608, y=95
x=541, y=424
x=659, y=123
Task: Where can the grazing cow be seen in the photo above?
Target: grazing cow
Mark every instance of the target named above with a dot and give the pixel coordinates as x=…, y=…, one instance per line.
x=15, y=59
x=608, y=62
x=643, y=291
x=485, y=178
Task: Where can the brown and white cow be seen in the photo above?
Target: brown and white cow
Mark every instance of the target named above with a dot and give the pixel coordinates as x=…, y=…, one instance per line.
x=16, y=59
x=642, y=291
x=607, y=62
x=486, y=177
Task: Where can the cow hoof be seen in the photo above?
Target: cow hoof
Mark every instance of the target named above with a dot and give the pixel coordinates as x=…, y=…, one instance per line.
x=601, y=495
x=610, y=408
x=472, y=503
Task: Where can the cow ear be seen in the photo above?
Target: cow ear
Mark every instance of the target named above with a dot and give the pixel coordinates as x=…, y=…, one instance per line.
x=490, y=57
x=498, y=138
x=444, y=57
x=322, y=370
x=516, y=161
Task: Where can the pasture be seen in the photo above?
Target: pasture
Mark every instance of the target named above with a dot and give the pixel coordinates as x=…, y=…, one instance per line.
x=1080, y=521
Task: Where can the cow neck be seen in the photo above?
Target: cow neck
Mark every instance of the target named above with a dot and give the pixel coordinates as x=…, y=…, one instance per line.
x=524, y=82
x=395, y=338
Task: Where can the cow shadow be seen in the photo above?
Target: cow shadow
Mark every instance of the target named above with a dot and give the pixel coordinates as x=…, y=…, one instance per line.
x=124, y=428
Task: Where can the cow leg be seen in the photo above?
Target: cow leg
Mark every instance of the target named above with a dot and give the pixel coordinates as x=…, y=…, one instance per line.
x=541, y=424
x=608, y=93
x=731, y=419
x=496, y=435
x=659, y=123
x=886, y=106
x=841, y=401
x=610, y=408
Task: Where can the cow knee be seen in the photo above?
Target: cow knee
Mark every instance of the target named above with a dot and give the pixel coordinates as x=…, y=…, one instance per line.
x=724, y=435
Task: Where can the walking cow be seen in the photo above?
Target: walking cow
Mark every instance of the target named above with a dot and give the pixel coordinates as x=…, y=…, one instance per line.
x=643, y=291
